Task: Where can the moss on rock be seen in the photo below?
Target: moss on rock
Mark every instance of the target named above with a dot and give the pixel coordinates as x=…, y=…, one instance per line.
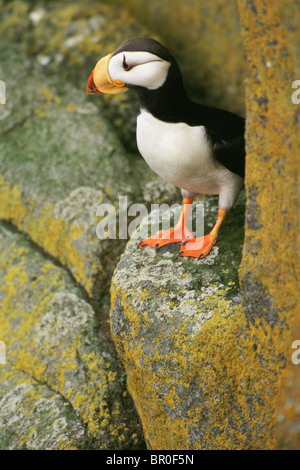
x=59, y=160
x=59, y=386
x=174, y=323
x=270, y=266
x=67, y=40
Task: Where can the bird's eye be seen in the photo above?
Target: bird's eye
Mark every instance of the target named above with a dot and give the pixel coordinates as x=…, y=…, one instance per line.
x=125, y=65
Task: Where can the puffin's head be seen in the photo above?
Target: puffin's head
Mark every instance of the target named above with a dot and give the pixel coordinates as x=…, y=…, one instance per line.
x=141, y=62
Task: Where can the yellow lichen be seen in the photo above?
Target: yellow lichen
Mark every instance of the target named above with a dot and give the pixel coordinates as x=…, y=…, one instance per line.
x=49, y=232
x=50, y=96
x=28, y=355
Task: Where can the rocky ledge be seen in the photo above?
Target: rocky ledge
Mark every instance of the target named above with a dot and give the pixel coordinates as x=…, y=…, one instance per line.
x=174, y=322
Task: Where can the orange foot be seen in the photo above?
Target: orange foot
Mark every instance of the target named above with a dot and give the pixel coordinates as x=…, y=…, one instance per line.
x=174, y=235
x=198, y=247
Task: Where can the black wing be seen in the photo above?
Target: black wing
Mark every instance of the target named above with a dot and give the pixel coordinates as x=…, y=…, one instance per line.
x=226, y=132
x=231, y=154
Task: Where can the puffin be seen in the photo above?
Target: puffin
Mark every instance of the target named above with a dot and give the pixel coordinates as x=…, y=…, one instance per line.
x=200, y=149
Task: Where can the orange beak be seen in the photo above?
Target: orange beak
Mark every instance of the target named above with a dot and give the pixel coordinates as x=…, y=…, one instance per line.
x=100, y=82
x=91, y=87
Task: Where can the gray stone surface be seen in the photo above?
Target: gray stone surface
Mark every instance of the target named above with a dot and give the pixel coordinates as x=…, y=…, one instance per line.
x=60, y=386
x=163, y=309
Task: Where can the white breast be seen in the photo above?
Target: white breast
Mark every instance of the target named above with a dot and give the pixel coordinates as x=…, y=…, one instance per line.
x=178, y=153
x=182, y=155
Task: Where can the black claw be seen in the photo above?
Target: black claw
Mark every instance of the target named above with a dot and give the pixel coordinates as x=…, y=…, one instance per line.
x=184, y=243
x=156, y=247
x=200, y=256
x=179, y=253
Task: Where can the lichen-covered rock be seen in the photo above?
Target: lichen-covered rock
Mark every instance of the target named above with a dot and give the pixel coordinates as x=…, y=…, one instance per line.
x=272, y=144
x=201, y=375
x=36, y=418
x=270, y=266
x=174, y=323
x=60, y=385
x=66, y=40
x=288, y=416
x=58, y=159
x=66, y=37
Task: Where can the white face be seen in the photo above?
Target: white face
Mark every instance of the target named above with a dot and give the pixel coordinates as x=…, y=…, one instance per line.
x=144, y=69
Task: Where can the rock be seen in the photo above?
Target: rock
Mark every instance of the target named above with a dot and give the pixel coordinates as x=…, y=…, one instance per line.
x=67, y=41
x=288, y=414
x=270, y=265
x=58, y=160
x=35, y=418
x=173, y=323
x=60, y=385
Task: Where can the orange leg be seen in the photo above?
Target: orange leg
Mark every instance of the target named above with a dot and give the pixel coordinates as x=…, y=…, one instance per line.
x=200, y=247
x=177, y=234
